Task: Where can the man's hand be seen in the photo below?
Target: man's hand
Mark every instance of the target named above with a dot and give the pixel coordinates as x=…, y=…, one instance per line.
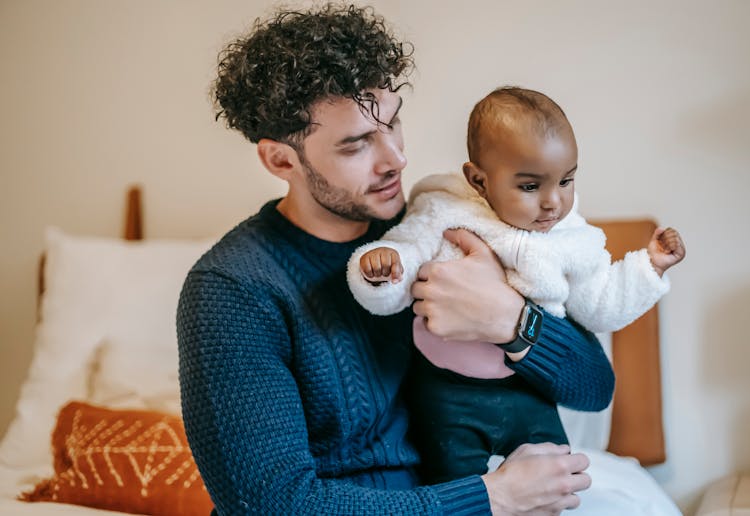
x=468, y=298
x=665, y=249
x=381, y=264
x=538, y=479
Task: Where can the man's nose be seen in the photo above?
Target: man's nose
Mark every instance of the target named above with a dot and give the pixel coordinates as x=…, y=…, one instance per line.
x=391, y=155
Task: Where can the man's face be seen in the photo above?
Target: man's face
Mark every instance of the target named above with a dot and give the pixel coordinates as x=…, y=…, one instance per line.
x=530, y=178
x=352, y=163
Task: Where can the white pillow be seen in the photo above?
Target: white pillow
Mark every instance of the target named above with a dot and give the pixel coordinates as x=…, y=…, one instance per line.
x=136, y=376
x=97, y=290
x=589, y=429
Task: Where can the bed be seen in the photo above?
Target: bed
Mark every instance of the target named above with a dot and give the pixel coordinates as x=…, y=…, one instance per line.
x=106, y=338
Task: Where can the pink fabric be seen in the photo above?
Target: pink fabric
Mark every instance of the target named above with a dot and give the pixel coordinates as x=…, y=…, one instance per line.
x=470, y=358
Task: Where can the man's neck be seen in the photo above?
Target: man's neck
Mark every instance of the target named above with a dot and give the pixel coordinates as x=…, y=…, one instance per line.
x=322, y=223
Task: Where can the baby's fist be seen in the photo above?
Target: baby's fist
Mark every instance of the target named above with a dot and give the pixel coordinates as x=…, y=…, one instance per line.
x=665, y=249
x=381, y=264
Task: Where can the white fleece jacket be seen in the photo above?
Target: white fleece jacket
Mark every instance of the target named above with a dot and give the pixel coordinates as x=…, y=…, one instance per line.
x=566, y=270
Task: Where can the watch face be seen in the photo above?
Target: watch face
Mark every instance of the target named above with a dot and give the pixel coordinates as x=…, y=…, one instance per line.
x=531, y=324
x=529, y=328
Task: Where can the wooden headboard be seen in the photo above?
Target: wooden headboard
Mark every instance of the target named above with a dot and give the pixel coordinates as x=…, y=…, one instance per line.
x=637, y=428
x=132, y=230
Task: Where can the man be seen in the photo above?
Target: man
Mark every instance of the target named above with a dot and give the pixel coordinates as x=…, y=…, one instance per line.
x=291, y=391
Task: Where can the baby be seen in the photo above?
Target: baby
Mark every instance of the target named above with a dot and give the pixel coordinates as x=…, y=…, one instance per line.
x=517, y=194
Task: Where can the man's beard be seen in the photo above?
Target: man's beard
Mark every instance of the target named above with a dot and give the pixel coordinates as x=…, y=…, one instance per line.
x=337, y=200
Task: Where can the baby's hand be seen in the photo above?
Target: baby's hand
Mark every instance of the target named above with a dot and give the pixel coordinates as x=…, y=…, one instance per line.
x=665, y=249
x=381, y=264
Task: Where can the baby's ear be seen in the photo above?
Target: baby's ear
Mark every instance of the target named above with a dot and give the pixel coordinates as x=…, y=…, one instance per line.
x=476, y=177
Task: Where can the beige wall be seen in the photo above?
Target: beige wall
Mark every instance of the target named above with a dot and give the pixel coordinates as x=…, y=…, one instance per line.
x=96, y=94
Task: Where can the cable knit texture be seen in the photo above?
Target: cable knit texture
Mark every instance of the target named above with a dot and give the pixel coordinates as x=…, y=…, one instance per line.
x=290, y=390
x=568, y=366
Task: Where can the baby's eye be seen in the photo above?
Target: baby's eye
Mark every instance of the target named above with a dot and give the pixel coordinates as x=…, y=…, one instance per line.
x=529, y=187
x=566, y=182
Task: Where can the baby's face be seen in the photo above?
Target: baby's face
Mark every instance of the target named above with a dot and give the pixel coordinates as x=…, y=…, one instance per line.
x=529, y=178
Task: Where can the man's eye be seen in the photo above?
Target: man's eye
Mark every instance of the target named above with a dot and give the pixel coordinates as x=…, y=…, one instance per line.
x=353, y=150
x=566, y=182
x=529, y=187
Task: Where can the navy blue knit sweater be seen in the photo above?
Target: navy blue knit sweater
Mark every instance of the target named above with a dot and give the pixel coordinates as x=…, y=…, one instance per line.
x=290, y=390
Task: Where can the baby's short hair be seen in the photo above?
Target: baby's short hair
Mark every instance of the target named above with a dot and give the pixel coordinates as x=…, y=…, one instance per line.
x=509, y=104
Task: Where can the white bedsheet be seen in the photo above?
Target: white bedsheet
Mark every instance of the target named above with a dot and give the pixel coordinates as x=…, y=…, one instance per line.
x=14, y=481
x=620, y=487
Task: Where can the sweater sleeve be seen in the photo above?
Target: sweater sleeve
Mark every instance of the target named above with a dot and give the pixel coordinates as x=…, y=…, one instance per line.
x=245, y=420
x=569, y=366
x=608, y=296
x=417, y=240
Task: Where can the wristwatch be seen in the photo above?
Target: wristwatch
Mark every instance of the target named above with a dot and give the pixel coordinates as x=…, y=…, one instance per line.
x=529, y=328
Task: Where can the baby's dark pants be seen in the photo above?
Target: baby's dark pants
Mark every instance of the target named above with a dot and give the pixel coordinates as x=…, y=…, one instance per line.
x=458, y=422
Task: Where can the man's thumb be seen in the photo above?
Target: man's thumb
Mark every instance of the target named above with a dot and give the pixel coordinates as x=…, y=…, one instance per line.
x=465, y=240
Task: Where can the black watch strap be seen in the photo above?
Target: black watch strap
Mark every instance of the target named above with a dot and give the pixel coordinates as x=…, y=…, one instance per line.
x=529, y=328
x=515, y=346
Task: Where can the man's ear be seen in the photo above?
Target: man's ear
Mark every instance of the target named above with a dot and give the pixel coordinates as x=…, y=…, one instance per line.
x=279, y=158
x=476, y=177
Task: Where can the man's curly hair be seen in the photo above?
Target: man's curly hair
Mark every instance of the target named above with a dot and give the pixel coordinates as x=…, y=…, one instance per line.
x=269, y=79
